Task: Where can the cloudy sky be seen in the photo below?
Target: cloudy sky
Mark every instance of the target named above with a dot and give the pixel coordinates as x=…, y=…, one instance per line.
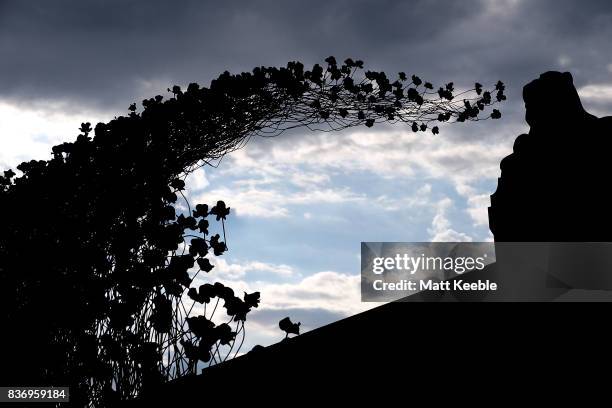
x=303, y=202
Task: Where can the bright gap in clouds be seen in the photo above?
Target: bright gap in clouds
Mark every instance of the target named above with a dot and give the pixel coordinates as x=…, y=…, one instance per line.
x=28, y=132
x=597, y=98
x=306, y=201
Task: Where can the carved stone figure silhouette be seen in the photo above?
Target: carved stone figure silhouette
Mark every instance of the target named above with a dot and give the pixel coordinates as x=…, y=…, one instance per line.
x=552, y=187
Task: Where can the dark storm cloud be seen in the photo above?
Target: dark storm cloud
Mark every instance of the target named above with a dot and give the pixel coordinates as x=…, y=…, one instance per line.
x=104, y=53
x=104, y=50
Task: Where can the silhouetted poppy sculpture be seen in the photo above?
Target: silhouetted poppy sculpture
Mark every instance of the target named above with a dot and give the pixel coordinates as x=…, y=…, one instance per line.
x=289, y=327
x=96, y=265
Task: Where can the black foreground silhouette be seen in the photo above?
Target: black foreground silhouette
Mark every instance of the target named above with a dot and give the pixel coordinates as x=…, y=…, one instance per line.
x=550, y=187
x=410, y=350
x=96, y=263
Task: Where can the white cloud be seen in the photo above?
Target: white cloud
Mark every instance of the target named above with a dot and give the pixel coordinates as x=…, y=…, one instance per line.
x=248, y=202
x=226, y=270
x=309, y=179
x=265, y=170
x=27, y=132
x=478, y=209
x=598, y=93
x=272, y=202
x=597, y=98
x=332, y=291
x=196, y=180
x=500, y=8
x=477, y=204
x=441, y=230
x=564, y=61
x=328, y=290
x=388, y=154
x=421, y=197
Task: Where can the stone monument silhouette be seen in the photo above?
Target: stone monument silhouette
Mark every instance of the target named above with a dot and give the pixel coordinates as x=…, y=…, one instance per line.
x=550, y=214
x=553, y=186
